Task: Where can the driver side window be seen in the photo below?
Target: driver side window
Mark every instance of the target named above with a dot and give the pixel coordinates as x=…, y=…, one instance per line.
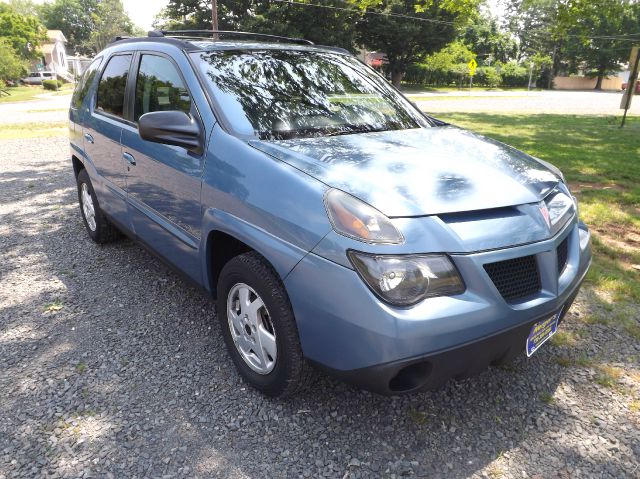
x=159, y=87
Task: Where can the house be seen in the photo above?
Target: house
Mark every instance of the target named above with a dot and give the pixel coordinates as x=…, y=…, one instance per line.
x=54, y=56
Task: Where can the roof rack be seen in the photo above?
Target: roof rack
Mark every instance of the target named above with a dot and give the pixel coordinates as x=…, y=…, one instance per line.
x=212, y=34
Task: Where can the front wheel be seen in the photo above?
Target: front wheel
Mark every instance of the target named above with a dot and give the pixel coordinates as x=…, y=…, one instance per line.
x=98, y=226
x=258, y=326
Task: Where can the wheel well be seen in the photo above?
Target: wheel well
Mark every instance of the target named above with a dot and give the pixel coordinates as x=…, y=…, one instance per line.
x=221, y=248
x=77, y=166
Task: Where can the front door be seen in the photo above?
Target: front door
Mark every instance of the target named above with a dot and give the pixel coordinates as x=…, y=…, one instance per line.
x=163, y=181
x=102, y=135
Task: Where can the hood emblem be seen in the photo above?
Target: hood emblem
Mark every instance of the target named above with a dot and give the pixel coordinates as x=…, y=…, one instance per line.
x=544, y=211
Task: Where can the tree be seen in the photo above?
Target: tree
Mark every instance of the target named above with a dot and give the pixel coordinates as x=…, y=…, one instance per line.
x=595, y=35
x=485, y=38
x=75, y=19
x=110, y=20
x=384, y=26
x=196, y=14
x=23, y=32
x=24, y=7
x=326, y=26
x=12, y=67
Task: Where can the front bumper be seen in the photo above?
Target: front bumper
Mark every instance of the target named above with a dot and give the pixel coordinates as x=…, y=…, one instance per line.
x=346, y=330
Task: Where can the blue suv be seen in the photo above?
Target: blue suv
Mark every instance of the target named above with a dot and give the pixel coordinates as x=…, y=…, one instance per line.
x=334, y=223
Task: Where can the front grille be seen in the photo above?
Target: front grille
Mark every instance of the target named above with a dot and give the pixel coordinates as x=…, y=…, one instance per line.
x=563, y=254
x=515, y=278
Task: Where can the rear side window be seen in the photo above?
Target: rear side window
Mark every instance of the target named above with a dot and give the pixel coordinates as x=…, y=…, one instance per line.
x=82, y=88
x=112, y=86
x=159, y=87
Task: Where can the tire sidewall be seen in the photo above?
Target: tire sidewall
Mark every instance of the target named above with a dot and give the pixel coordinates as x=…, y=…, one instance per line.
x=236, y=272
x=83, y=178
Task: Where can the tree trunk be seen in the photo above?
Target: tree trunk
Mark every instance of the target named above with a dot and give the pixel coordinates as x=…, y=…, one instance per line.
x=599, y=83
x=396, y=77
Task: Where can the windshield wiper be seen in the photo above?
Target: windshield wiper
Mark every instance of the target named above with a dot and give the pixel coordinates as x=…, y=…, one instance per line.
x=355, y=129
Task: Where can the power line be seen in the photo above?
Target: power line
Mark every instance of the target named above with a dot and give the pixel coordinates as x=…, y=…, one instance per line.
x=620, y=37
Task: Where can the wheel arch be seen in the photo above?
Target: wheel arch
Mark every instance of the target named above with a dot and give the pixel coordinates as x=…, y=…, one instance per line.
x=228, y=236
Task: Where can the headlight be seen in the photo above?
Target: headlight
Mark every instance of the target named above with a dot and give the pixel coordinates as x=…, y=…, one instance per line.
x=560, y=208
x=407, y=280
x=353, y=218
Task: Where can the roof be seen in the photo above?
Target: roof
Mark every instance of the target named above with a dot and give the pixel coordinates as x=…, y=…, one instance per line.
x=193, y=43
x=56, y=35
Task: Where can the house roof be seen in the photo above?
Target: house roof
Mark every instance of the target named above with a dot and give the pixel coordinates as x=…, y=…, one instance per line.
x=56, y=35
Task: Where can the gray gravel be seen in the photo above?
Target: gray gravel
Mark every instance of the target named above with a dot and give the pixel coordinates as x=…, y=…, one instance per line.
x=112, y=366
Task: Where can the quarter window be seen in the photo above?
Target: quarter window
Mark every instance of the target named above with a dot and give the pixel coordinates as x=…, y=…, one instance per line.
x=112, y=86
x=159, y=87
x=85, y=83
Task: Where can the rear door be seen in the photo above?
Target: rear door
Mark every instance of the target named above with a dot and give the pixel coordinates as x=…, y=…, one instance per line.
x=163, y=181
x=102, y=135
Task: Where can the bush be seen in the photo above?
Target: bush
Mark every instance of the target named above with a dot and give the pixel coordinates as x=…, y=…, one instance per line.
x=51, y=84
x=488, y=76
x=514, y=75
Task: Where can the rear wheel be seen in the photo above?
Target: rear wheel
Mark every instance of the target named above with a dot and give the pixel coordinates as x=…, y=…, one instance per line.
x=259, y=328
x=100, y=229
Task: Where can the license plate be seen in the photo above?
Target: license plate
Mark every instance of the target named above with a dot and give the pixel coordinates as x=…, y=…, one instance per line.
x=541, y=332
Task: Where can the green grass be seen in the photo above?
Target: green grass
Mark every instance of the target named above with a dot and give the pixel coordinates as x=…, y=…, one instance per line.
x=33, y=130
x=601, y=162
x=21, y=93
x=29, y=93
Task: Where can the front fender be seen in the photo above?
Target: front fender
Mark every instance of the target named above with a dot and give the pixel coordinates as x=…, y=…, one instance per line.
x=282, y=255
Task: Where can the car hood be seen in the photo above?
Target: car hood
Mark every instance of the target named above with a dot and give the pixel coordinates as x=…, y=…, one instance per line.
x=426, y=171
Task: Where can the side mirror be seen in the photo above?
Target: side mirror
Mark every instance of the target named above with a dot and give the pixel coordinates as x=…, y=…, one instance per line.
x=171, y=128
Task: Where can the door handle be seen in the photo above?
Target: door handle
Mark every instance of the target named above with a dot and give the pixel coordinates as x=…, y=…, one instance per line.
x=129, y=158
x=89, y=138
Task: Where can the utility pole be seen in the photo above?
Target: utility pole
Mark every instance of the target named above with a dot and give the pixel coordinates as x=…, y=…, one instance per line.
x=214, y=14
x=634, y=65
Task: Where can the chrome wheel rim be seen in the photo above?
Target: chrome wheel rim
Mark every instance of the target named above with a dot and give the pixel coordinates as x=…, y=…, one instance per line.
x=252, y=329
x=87, y=207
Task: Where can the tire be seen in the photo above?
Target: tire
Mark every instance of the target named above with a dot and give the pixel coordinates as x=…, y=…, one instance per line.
x=288, y=372
x=100, y=229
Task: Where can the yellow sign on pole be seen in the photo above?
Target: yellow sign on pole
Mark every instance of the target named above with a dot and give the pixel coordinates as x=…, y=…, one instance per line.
x=473, y=64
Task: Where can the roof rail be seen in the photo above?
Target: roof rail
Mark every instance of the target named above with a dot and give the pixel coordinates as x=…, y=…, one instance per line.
x=212, y=34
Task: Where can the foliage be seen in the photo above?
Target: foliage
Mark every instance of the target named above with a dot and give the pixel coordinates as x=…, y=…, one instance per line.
x=585, y=26
x=75, y=19
x=24, y=7
x=196, y=14
x=514, y=75
x=51, y=84
x=485, y=38
x=24, y=32
x=110, y=20
x=12, y=67
x=487, y=76
x=384, y=27
x=325, y=26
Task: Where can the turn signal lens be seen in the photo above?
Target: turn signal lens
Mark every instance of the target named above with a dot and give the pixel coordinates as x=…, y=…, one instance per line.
x=407, y=280
x=354, y=218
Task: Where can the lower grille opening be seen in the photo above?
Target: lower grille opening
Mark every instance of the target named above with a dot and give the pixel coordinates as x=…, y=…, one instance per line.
x=563, y=255
x=515, y=278
x=410, y=377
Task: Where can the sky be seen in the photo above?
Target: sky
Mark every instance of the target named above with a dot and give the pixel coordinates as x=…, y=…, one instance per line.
x=143, y=12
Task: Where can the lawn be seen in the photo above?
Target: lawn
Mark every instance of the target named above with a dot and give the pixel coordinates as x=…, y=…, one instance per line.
x=27, y=93
x=601, y=163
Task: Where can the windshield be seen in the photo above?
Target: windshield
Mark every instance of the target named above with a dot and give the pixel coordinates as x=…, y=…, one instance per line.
x=282, y=94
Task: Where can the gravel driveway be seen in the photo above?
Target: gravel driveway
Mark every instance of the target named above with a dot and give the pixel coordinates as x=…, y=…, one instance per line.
x=112, y=366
